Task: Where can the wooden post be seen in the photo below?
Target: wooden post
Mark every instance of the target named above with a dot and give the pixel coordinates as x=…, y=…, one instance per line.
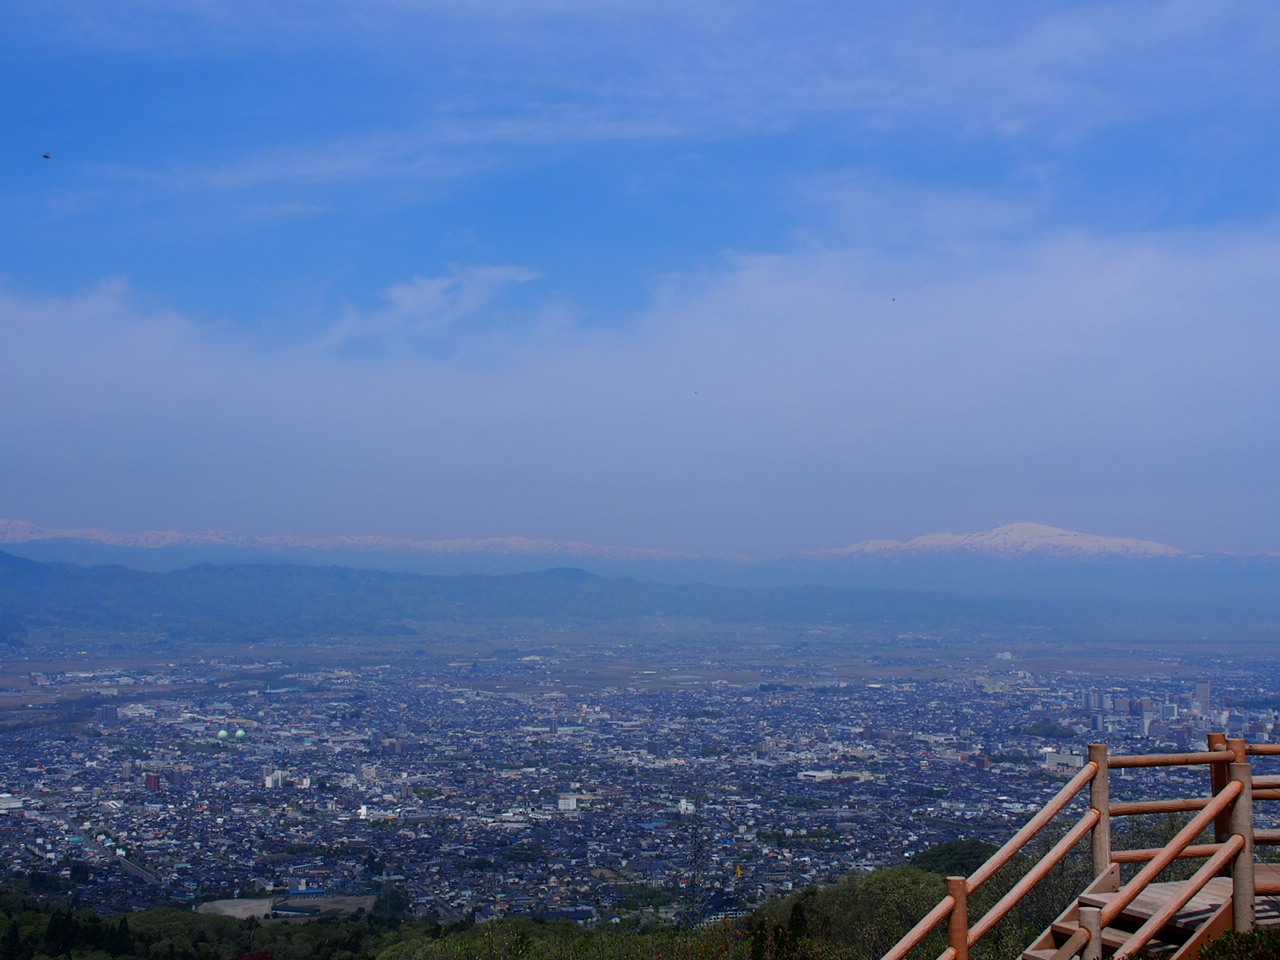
x=1218, y=780
x=1100, y=800
x=1091, y=920
x=1242, y=879
x=958, y=927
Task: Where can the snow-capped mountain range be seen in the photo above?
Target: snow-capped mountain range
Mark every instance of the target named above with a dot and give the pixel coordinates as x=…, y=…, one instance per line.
x=1018, y=559
x=1013, y=540
x=1010, y=541
x=21, y=532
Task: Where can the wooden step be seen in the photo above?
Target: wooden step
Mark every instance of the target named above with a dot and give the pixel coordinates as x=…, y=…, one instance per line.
x=1207, y=900
x=1115, y=937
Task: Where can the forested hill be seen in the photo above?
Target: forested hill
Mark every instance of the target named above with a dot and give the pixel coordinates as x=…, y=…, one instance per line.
x=254, y=601
x=857, y=918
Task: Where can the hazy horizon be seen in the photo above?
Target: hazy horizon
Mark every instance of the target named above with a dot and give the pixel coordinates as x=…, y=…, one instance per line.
x=732, y=279
x=1009, y=540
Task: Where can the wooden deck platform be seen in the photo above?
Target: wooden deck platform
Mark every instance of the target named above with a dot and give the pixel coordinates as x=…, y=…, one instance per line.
x=1205, y=913
x=1215, y=893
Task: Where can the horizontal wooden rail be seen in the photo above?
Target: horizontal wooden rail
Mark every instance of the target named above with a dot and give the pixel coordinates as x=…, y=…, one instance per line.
x=1169, y=909
x=1033, y=876
x=1267, y=793
x=1266, y=782
x=1033, y=826
x=1158, y=806
x=1129, y=892
x=915, y=936
x=1262, y=749
x=1170, y=759
x=1266, y=838
x=1150, y=853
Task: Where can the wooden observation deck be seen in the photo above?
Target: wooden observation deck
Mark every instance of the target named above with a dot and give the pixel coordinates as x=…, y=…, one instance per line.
x=1143, y=916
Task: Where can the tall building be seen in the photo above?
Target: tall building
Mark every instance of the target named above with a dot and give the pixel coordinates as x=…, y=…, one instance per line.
x=108, y=713
x=1204, y=696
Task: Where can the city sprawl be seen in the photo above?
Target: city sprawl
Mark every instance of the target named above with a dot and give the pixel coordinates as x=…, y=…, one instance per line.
x=498, y=785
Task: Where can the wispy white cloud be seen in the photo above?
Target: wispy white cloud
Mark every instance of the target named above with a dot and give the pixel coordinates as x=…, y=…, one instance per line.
x=445, y=150
x=930, y=330
x=779, y=402
x=425, y=307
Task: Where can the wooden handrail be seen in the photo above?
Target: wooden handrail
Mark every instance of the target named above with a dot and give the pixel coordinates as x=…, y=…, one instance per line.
x=1072, y=946
x=958, y=932
x=1217, y=780
x=1033, y=826
x=1033, y=877
x=1170, y=759
x=915, y=936
x=1193, y=852
x=945, y=908
x=1100, y=800
x=1232, y=788
x=1169, y=909
x=1243, y=893
x=1158, y=806
x=1129, y=892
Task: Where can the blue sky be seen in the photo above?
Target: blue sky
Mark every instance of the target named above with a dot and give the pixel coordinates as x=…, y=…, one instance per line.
x=720, y=277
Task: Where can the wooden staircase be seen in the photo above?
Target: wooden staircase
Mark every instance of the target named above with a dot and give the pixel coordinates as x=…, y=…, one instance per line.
x=1144, y=916
x=1208, y=914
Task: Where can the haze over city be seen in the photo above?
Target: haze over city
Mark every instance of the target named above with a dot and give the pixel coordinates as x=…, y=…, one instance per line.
x=726, y=279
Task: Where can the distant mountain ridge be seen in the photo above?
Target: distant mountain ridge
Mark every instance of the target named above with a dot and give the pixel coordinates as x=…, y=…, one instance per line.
x=1008, y=541
x=1013, y=540
x=1017, y=559
x=263, y=601
x=22, y=531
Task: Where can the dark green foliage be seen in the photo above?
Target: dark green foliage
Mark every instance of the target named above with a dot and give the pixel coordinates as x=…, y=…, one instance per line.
x=1257, y=945
x=524, y=939
x=1018, y=758
x=867, y=915
x=646, y=898
x=11, y=945
x=860, y=918
x=956, y=858
x=29, y=931
x=1049, y=731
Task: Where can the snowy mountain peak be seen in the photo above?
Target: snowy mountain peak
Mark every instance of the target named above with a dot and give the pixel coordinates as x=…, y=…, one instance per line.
x=1015, y=540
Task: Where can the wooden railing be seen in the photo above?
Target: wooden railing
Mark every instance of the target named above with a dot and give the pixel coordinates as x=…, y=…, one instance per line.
x=1228, y=809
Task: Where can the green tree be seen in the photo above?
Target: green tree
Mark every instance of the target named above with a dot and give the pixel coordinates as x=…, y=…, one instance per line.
x=956, y=858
